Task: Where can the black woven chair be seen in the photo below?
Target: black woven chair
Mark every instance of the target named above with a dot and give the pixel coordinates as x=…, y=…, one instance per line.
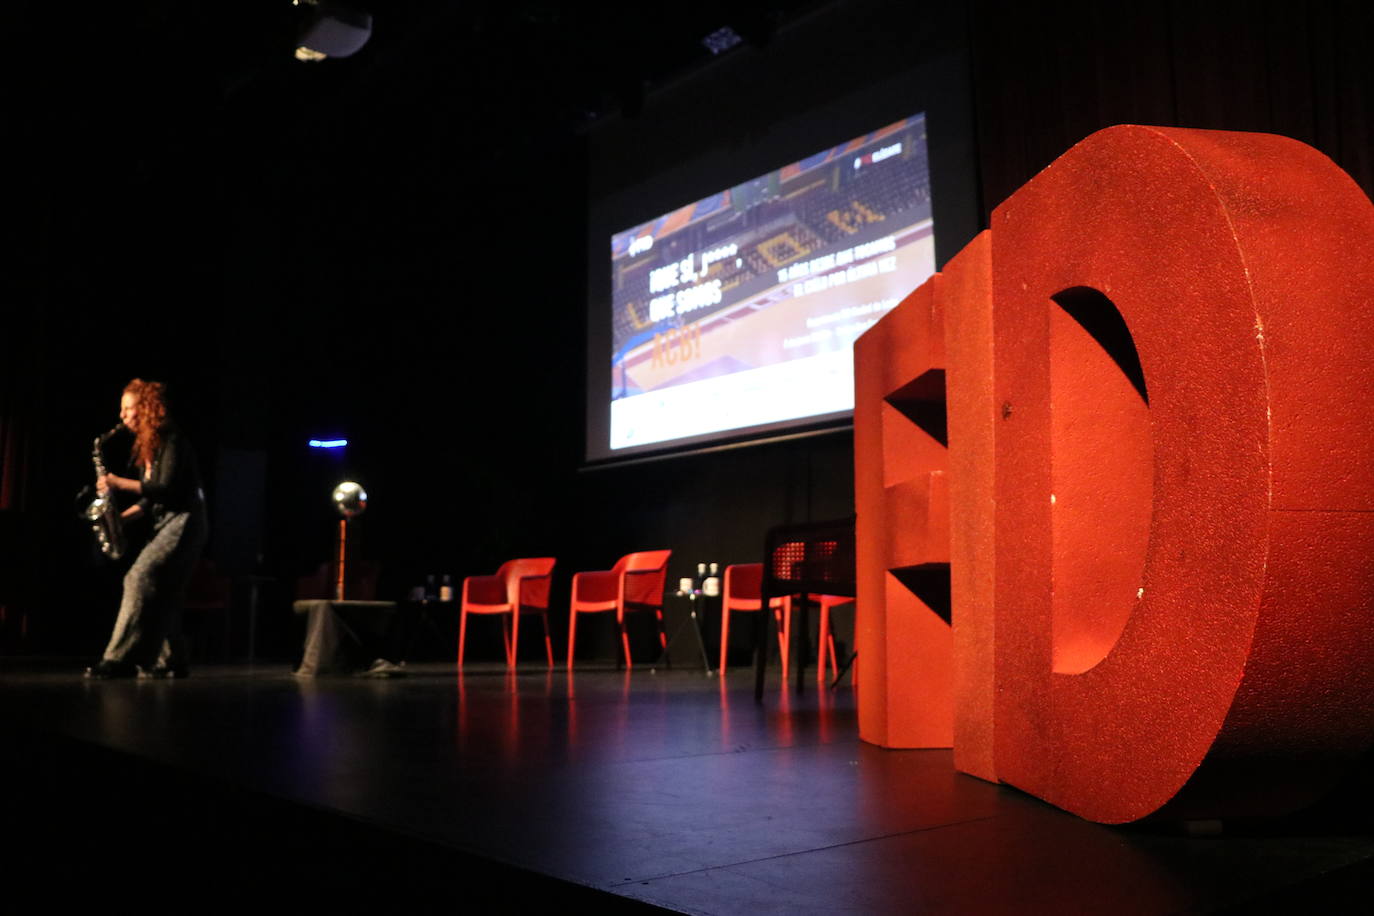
x=813, y=558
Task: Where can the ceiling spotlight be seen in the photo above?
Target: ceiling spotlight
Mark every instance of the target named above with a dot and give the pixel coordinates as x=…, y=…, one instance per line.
x=721, y=40
x=330, y=30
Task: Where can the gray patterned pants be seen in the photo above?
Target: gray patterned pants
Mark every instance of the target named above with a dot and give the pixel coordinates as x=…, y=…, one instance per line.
x=148, y=629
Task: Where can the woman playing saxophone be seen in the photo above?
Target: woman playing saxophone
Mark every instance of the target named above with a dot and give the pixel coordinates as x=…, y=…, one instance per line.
x=147, y=637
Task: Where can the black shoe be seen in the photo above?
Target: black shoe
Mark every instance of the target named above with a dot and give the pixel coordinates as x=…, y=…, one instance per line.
x=108, y=670
x=165, y=672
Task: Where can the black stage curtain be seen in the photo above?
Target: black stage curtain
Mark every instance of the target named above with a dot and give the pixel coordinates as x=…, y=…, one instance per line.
x=1047, y=75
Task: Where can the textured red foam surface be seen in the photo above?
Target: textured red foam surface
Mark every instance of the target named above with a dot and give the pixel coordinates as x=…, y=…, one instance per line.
x=1241, y=264
x=1160, y=581
x=966, y=293
x=902, y=505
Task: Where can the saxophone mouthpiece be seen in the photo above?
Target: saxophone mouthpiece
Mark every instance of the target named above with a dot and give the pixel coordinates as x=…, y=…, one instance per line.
x=118, y=427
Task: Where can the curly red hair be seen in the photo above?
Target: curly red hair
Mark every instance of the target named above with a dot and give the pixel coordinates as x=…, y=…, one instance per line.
x=152, y=419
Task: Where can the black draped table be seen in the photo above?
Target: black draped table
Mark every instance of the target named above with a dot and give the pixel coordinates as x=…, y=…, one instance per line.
x=348, y=637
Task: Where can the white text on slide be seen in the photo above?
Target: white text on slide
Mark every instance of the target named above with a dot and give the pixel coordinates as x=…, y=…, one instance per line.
x=841, y=277
x=839, y=259
x=663, y=279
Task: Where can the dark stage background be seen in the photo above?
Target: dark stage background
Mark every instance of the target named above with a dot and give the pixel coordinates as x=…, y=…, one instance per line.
x=392, y=247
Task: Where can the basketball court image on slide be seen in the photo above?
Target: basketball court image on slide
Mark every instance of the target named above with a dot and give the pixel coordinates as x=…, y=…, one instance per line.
x=740, y=310
x=783, y=323
x=774, y=356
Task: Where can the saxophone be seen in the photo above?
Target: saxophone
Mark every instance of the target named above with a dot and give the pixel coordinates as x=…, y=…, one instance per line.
x=102, y=513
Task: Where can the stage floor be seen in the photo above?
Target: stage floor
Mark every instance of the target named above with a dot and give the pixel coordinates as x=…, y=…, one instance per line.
x=629, y=791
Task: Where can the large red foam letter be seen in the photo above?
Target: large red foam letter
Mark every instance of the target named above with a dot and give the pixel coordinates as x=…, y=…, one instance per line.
x=1181, y=515
x=902, y=500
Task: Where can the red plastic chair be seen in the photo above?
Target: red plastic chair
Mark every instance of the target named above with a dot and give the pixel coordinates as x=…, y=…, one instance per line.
x=634, y=583
x=519, y=587
x=742, y=593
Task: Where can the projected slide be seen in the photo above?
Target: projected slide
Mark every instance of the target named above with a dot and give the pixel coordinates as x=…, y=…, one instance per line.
x=740, y=311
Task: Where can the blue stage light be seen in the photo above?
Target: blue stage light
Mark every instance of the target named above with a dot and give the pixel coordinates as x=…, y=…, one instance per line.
x=328, y=443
